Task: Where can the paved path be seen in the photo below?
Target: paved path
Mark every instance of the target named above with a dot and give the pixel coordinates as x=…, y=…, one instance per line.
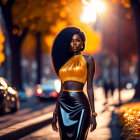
x=107, y=128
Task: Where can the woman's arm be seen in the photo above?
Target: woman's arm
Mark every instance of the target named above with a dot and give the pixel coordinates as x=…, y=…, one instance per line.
x=55, y=113
x=56, y=109
x=90, y=75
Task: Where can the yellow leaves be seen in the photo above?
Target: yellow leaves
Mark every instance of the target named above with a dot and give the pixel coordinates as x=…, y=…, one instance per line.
x=1, y=47
x=93, y=40
x=28, y=46
x=32, y=26
x=62, y=14
x=2, y=39
x=49, y=16
x=58, y=27
x=2, y=57
x=63, y=2
x=125, y=3
x=24, y=20
x=48, y=39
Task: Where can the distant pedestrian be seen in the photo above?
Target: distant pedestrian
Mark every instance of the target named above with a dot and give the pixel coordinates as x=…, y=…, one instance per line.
x=108, y=86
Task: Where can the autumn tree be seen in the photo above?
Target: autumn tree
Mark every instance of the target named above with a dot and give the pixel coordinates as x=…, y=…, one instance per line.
x=135, y=5
x=15, y=37
x=40, y=18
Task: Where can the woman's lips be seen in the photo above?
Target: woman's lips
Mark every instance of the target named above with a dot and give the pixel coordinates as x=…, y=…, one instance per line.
x=74, y=48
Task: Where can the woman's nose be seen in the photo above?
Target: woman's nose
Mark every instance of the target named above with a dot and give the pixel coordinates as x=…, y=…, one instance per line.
x=74, y=42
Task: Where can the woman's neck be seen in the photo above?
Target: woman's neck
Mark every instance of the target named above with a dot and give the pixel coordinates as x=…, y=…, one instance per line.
x=76, y=53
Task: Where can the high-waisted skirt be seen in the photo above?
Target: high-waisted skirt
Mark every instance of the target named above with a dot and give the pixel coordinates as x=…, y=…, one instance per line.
x=73, y=115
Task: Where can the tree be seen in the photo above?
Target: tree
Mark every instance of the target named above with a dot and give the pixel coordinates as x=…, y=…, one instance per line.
x=15, y=38
x=136, y=8
x=135, y=4
x=39, y=18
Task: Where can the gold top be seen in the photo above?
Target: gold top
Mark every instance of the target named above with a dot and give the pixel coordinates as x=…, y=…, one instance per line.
x=75, y=69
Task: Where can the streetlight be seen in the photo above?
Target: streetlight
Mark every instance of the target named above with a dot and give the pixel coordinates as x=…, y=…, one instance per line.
x=91, y=9
x=119, y=56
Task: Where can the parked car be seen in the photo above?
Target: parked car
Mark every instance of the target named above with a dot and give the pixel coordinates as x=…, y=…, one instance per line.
x=49, y=89
x=9, y=97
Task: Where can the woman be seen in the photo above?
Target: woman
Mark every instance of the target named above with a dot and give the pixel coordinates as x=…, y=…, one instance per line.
x=75, y=113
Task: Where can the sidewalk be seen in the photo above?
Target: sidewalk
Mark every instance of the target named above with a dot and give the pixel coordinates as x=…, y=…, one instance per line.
x=15, y=131
x=107, y=128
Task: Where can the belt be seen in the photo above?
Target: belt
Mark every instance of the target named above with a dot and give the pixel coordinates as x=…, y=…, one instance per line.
x=72, y=90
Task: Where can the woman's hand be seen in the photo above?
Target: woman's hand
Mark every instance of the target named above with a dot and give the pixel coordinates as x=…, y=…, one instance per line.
x=54, y=122
x=93, y=124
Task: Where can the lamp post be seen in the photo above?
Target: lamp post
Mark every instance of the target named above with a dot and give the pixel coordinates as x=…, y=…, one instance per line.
x=119, y=56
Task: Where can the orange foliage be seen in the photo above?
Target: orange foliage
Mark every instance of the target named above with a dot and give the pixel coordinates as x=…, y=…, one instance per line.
x=125, y=3
x=28, y=46
x=2, y=39
x=2, y=57
x=50, y=18
x=130, y=120
x=93, y=38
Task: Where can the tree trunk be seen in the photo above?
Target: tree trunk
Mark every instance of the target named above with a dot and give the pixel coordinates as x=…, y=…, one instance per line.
x=38, y=57
x=16, y=68
x=15, y=44
x=136, y=8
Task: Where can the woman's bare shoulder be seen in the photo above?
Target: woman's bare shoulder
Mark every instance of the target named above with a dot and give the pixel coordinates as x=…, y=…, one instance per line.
x=89, y=59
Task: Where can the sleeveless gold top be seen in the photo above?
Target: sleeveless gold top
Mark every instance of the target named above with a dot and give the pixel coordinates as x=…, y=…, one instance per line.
x=75, y=69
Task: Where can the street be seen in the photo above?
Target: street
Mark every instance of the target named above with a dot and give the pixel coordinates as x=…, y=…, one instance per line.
x=28, y=109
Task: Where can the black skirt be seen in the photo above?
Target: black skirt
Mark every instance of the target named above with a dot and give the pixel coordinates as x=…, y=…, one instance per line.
x=73, y=115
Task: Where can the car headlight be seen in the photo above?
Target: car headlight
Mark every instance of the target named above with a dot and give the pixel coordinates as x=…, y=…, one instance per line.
x=39, y=91
x=129, y=85
x=3, y=83
x=11, y=90
x=13, y=99
x=57, y=85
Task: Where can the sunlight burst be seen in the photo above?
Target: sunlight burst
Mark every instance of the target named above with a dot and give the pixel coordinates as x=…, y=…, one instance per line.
x=91, y=9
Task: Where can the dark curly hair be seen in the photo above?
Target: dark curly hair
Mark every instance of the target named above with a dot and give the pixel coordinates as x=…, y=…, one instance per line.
x=60, y=50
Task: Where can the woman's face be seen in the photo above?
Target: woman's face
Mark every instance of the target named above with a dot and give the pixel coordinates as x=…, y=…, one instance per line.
x=76, y=43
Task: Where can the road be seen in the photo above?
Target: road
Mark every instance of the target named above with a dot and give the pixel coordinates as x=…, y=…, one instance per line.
x=28, y=109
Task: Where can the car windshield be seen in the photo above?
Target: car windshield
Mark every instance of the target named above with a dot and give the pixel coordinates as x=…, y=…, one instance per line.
x=48, y=84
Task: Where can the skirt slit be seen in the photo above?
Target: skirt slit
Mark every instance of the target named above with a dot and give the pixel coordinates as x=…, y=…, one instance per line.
x=73, y=115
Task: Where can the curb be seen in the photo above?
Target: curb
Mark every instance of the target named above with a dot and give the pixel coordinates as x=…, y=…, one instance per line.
x=18, y=130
